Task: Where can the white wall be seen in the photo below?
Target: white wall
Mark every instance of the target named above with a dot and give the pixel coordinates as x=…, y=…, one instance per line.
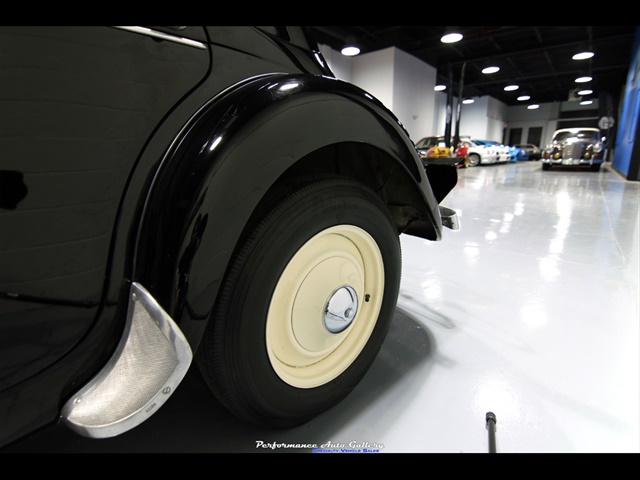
x=400, y=81
x=546, y=116
x=413, y=95
x=374, y=72
x=339, y=64
x=404, y=84
x=474, y=120
x=484, y=118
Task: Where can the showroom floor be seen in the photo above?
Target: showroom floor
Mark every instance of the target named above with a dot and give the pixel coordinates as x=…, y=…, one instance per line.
x=529, y=311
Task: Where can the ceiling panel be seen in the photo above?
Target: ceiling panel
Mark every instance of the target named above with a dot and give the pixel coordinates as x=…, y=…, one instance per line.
x=537, y=58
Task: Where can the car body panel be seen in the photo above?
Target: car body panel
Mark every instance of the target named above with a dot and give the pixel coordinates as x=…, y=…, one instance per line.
x=518, y=154
x=92, y=107
x=192, y=241
x=134, y=142
x=486, y=154
x=502, y=153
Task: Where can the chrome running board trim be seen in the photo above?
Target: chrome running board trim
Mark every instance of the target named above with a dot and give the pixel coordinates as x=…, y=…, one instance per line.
x=151, y=360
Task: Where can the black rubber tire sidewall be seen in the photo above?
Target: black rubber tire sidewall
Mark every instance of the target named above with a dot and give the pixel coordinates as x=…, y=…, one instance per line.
x=238, y=367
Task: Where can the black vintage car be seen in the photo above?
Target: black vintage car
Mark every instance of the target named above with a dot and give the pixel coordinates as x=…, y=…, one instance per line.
x=206, y=193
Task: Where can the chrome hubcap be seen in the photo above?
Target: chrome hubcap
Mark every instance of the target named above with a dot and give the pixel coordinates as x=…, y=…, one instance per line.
x=340, y=309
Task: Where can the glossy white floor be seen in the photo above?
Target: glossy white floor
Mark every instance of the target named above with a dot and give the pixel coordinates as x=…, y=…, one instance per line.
x=530, y=311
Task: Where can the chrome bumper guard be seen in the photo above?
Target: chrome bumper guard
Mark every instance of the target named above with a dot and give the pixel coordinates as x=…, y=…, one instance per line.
x=151, y=360
x=449, y=218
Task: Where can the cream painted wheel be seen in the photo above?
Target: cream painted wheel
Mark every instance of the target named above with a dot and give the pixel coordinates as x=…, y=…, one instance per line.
x=342, y=265
x=305, y=305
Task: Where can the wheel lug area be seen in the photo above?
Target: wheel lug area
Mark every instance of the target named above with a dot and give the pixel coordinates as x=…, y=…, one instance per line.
x=340, y=309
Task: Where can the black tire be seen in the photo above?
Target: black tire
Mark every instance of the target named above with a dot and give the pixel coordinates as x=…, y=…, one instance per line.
x=474, y=159
x=248, y=346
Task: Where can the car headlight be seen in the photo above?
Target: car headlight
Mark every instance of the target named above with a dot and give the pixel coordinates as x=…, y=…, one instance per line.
x=556, y=152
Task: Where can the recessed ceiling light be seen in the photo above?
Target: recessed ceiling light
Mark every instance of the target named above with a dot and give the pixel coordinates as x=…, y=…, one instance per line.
x=583, y=55
x=350, y=51
x=523, y=98
x=467, y=101
x=439, y=88
x=586, y=102
x=451, y=38
x=489, y=70
x=585, y=92
x=511, y=88
x=533, y=107
x=583, y=79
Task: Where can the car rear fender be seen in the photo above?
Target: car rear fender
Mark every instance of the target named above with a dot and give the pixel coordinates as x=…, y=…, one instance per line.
x=241, y=145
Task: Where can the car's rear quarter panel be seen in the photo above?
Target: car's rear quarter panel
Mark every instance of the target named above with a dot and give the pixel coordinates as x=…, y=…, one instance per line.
x=77, y=106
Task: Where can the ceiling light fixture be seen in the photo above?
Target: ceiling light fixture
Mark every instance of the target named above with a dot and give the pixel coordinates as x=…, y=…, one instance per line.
x=440, y=88
x=583, y=79
x=350, y=51
x=533, y=107
x=582, y=55
x=511, y=88
x=350, y=48
x=585, y=92
x=468, y=101
x=586, y=102
x=524, y=98
x=451, y=37
x=489, y=70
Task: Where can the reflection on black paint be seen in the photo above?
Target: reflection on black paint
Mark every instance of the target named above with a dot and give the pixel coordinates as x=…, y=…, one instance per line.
x=12, y=189
x=184, y=266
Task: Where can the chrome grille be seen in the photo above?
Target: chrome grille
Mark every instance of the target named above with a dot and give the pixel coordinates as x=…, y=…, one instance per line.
x=572, y=150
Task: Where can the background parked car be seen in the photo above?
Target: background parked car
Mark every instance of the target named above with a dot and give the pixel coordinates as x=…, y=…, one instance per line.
x=580, y=147
x=479, y=154
x=502, y=151
x=533, y=152
x=517, y=154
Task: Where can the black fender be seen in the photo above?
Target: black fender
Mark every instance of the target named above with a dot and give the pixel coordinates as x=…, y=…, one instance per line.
x=235, y=150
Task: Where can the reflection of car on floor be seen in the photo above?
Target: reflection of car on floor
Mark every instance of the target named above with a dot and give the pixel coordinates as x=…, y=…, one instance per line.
x=427, y=143
x=141, y=231
x=533, y=152
x=438, y=152
x=580, y=147
x=432, y=147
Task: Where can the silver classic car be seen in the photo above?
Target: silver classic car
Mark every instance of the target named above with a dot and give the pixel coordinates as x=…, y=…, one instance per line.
x=574, y=147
